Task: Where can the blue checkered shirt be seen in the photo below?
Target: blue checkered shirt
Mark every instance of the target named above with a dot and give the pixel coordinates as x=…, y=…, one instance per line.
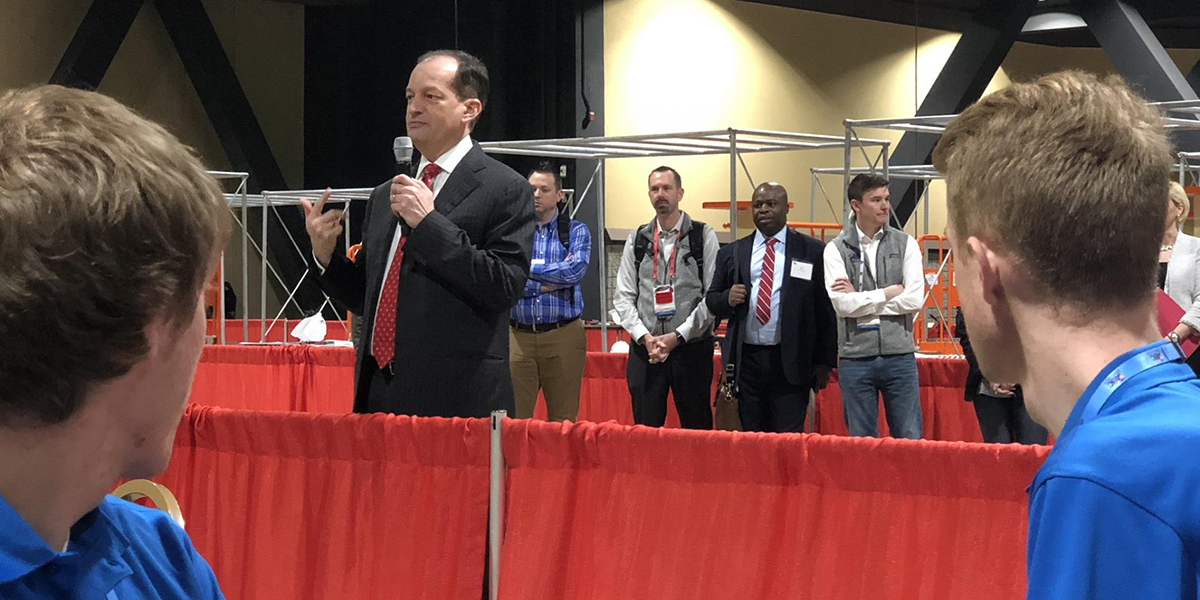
x=559, y=270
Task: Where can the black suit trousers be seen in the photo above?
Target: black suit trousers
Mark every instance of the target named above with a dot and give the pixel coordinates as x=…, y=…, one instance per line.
x=687, y=372
x=766, y=400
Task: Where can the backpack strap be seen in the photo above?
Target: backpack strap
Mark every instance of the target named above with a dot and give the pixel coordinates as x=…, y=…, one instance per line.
x=564, y=228
x=639, y=248
x=564, y=237
x=696, y=248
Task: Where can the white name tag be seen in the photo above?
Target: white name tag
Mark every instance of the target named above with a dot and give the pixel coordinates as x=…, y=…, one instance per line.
x=537, y=261
x=664, y=301
x=802, y=270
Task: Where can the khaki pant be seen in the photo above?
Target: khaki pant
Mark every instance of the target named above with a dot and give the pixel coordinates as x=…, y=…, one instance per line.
x=551, y=361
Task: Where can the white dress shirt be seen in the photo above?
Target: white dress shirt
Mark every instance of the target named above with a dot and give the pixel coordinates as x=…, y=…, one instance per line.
x=448, y=162
x=868, y=306
x=767, y=334
x=625, y=309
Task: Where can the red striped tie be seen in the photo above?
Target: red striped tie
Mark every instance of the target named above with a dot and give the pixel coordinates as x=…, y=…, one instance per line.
x=383, y=340
x=762, y=306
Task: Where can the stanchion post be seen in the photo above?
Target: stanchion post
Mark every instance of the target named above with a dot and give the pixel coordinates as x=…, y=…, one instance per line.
x=495, y=505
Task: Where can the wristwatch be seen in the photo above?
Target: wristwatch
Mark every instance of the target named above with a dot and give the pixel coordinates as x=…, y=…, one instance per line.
x=680, y=336
x=1174, y=337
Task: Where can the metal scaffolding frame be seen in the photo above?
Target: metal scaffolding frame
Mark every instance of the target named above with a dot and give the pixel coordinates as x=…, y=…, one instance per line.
x=1189, y=164
x=239, y=204
x=1178, y=115
x=922, y=173
x=732, y=141
x=239, y=196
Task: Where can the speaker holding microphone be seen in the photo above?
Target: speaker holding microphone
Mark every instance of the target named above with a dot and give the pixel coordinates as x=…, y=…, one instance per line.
x=402, y=148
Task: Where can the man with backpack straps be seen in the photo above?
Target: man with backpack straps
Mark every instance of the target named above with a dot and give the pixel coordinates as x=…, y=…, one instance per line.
x=665, y=270
x=547, y=345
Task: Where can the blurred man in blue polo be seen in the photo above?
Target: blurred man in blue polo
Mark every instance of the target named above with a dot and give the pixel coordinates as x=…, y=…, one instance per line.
x=546, y=342
x=1057, y=192
x=109, y=230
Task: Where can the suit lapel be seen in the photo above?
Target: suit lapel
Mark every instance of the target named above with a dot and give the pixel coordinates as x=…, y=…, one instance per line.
x=791, y=252
x=745, y=249
x=383, y=235
x=462, y=181
x=740, y=319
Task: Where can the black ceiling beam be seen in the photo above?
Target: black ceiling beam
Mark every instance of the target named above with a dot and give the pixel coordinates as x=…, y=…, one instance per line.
x=1139, y=56
x=1134, y=49
x=220, y=92
x=95, y=43
x=902, y=12
x=1193, y=77
x=328, y=3
x=985, y=42
x=233, y=118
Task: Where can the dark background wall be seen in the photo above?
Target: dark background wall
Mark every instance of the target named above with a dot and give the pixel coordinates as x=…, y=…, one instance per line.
x=357, y=62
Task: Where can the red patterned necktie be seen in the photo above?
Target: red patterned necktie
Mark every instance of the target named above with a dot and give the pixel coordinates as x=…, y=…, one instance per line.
x=383, y=341
x=762, y=306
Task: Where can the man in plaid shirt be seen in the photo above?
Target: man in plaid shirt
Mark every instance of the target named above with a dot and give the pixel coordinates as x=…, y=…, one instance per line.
x=547, y=345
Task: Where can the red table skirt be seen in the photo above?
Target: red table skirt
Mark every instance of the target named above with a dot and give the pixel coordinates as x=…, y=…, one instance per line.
x=320, y=379
x=334, y=330
x=295, y=378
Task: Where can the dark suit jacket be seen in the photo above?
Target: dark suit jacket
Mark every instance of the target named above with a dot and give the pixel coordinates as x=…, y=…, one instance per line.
x=808, y=323
x=974, y=376
x=464, y=268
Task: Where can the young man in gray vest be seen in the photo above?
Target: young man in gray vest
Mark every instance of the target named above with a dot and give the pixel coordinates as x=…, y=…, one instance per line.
x=875, y=281
x=665, y=271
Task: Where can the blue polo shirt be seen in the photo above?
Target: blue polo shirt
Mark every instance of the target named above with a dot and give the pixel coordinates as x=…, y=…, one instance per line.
x=120, y=551
x=1115, y=510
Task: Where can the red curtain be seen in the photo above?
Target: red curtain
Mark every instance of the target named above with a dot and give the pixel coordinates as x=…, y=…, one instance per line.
x=295, y=505
x=598, y=511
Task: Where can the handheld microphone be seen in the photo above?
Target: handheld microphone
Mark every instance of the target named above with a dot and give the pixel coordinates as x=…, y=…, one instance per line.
x=402, y=148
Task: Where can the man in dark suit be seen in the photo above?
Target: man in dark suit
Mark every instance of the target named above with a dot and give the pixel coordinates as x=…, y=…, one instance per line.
x=1000, y=407
x=782, y=334
x=445, y=256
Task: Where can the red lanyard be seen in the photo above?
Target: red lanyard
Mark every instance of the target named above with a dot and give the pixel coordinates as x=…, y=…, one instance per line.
x=670, y=259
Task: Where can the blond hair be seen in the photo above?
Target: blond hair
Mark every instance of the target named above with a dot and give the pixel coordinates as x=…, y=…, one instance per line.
x=1066, y=174
x=107, y=223
x=1178, y=196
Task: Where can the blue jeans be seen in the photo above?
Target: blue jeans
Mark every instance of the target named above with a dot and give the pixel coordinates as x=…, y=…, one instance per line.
x=895, y=376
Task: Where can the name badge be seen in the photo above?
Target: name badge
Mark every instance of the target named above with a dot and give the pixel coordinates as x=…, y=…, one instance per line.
x=664, y=301
x=868, y=323
x=802, y=270
x=537, y=261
